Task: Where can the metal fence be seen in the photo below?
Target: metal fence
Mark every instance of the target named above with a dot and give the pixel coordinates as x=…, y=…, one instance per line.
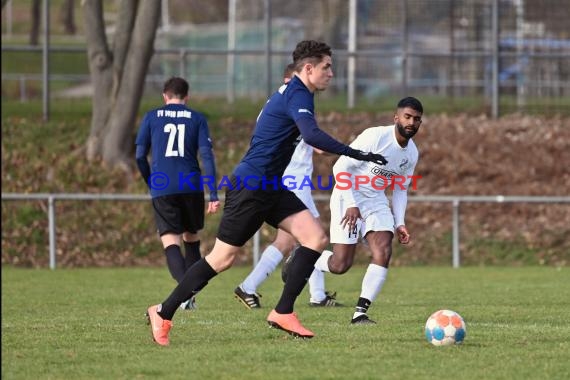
x=498, y=55
x=455, y=201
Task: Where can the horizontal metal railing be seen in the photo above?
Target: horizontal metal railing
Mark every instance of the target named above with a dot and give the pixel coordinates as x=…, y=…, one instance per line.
x=455, y=200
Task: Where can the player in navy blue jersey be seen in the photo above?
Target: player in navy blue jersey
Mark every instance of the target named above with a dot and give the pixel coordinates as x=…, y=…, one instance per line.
x=287, y=117
x=175, y=134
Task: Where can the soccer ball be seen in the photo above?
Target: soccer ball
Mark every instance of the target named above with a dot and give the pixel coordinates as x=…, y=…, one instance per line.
x=444, y=328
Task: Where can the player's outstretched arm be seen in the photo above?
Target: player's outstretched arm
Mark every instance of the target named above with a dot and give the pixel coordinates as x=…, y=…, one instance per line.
x=319, y=139
x=368, y=156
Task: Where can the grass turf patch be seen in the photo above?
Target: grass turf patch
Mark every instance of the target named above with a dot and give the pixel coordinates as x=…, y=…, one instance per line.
x=88, y=323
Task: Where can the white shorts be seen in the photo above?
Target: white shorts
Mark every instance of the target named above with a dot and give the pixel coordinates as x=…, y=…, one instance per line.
x=307, y=198
x=379, y=220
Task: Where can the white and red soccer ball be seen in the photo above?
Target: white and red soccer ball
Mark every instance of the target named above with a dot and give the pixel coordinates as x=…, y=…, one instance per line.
x=445, y=328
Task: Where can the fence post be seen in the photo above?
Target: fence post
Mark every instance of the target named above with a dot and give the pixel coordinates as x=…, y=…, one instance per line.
x=495, y=61
x=231, y=58
x=51, y=223
x=267, y=19
x=23, y=95
x=255, y=248
x=456, y=262
x=45, y=62
x=182, y=64
x=351, y=71
x=405, y=42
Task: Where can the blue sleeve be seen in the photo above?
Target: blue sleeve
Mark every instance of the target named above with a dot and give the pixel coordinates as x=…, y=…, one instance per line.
x=300, y=106
x=143, y=136
x=208, y=159
x=143, y=146
x=209, y=163
x=319, y=139
x=142, y=162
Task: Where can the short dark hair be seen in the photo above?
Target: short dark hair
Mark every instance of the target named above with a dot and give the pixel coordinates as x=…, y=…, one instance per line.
x=313, y=50
x=289, y=70
x=412, y=103
x=176, y=87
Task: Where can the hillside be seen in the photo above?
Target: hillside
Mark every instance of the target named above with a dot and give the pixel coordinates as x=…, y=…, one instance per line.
x=459, y=155
x=464, y=155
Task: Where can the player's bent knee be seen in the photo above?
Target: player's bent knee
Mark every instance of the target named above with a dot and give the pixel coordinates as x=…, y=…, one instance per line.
x=284, y=242
x=220, y=264
x=323, y=242
x=339, y=266
x=316, y=241
x=222, y=256
x=382, y=260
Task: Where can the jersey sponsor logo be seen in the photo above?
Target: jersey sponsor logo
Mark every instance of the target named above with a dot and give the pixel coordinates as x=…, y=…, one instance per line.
x=304, y=110
x=378, y=171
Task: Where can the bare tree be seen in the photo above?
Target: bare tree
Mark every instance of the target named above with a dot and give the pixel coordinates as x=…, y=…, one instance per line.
x=333, y=16
x=67, y=16
x=36, y=19
x=118, y=74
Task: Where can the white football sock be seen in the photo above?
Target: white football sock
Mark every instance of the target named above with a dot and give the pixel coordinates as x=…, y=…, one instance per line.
x=322, y=263
x=372, y=282
x=317, y=286
x=269, y=260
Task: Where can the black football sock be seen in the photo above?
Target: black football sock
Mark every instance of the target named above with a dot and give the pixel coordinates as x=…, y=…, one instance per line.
x=192, y=250
x=363, y=305
x=195, y=278
x=300, y=269
x=175, y=262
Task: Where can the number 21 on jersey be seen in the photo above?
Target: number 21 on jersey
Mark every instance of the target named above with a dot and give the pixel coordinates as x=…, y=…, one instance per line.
x=172, y=130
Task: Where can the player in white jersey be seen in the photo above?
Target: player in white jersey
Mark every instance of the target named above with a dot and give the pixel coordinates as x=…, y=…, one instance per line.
x=300, y=167
x=359, y=206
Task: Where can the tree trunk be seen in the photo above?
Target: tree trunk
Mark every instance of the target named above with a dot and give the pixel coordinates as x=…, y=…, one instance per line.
x=118, y=144
x=67, y=17
x=118, y=75
x=35, y=30
x=100, y=66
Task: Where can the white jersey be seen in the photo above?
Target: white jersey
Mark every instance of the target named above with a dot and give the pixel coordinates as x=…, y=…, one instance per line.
x=362, y=184
x=301, y=164
x=299, y=169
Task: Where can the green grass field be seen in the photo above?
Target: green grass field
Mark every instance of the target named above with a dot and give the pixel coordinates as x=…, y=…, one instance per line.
x=88, y=323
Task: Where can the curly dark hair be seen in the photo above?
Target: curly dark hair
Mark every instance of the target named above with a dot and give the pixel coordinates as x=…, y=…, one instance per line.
x=313, y=50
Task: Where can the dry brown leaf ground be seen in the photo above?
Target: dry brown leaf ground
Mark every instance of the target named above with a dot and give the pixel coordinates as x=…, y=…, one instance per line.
x=459, y=155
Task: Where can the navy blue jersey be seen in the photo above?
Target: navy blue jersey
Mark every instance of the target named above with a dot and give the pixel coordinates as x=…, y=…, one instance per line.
x=288, y=113
x=175, y=134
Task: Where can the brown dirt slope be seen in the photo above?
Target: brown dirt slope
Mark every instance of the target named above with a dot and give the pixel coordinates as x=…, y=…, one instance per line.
x=466, y=155
x=459, y=155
